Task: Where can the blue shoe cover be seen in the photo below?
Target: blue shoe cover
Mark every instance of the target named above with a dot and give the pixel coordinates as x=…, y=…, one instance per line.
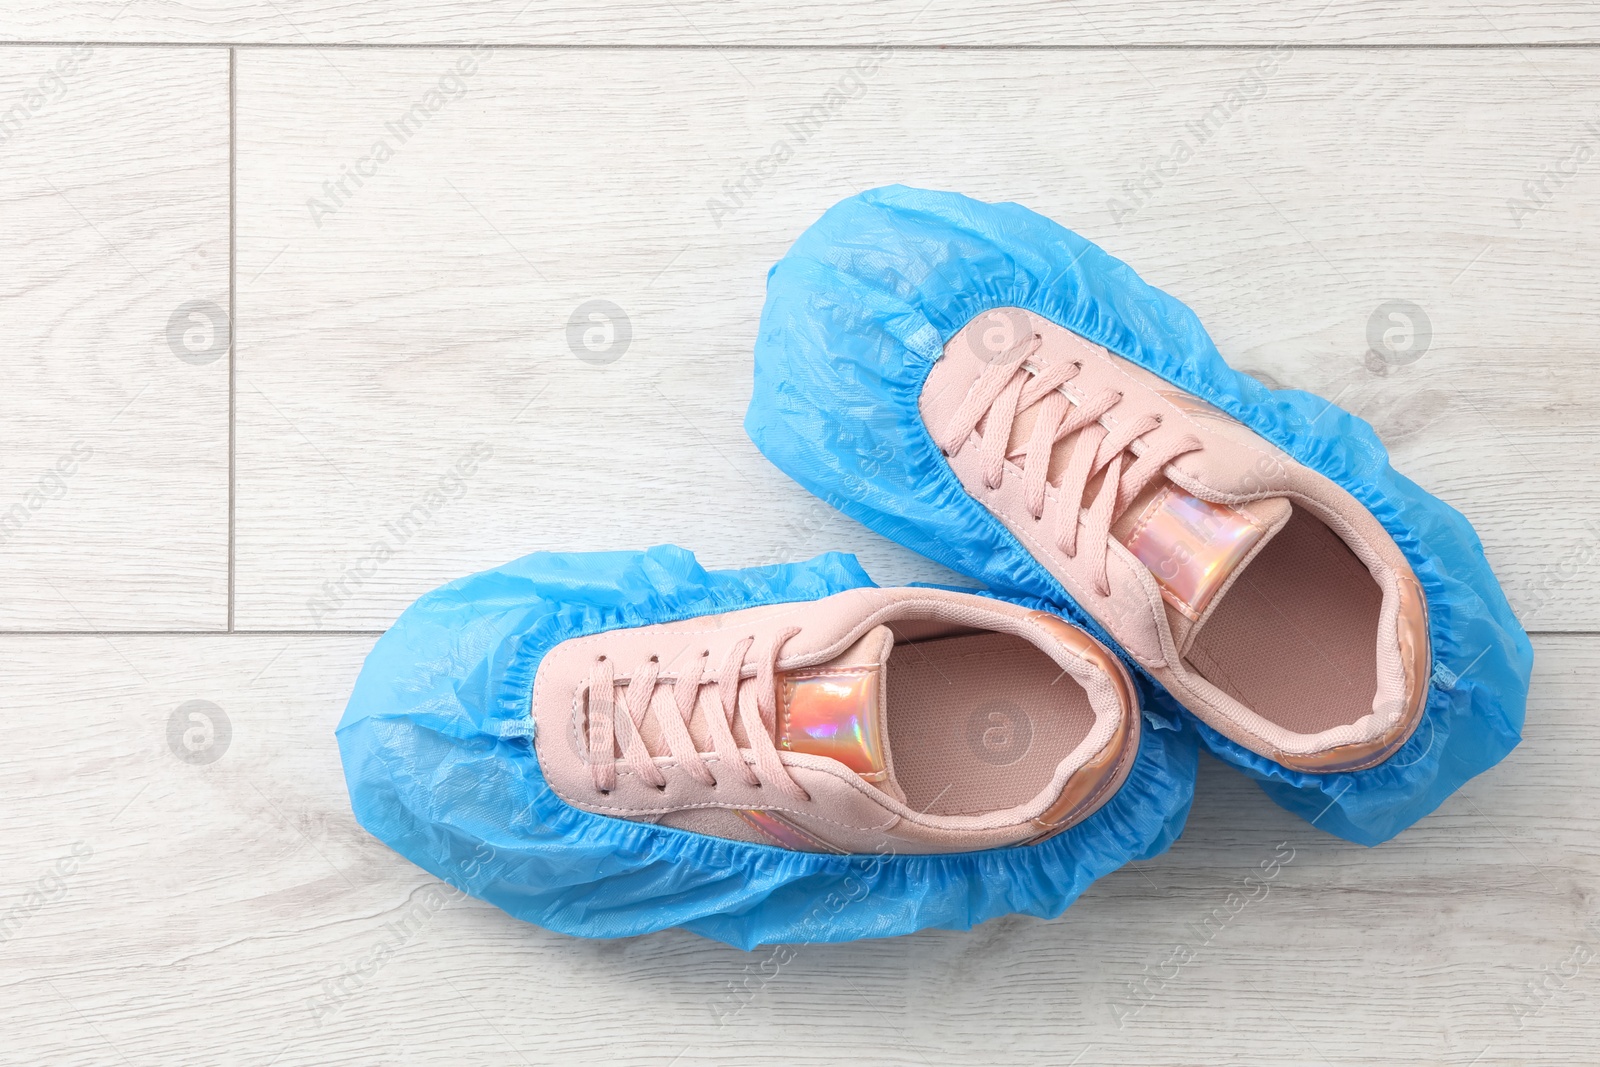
x=861, y=307
x=438, y=754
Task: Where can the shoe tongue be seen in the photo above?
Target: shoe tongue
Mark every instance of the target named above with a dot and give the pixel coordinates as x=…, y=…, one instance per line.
x=1194, y=547
x=838, y=709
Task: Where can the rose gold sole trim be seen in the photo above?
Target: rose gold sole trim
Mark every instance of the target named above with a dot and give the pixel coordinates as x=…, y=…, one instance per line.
x=1103, y=775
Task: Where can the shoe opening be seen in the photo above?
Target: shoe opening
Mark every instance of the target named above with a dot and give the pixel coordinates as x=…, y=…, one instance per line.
x=1295, y=638
x=978, y=722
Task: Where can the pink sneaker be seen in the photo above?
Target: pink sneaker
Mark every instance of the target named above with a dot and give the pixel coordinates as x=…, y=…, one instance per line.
x=1263, y=596
x=873, y=720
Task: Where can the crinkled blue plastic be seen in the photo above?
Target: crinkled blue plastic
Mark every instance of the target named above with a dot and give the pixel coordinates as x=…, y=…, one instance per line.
x=863, y=304
x=437, y=745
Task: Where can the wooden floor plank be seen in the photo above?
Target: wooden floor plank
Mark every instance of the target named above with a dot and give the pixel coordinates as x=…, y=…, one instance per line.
x=808, y=22
x=114, y=411
x=196, y=912
x=412, y=405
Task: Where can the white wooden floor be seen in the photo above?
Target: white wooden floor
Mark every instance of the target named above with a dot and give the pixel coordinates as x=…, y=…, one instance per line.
x=183, y=521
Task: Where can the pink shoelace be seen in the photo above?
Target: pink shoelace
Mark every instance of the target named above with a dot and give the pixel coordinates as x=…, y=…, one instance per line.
x=751, y=697
x=1012, y=385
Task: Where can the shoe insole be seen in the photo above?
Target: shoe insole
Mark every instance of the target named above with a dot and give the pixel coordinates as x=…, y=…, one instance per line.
x=1295, y=639
x=979, y=723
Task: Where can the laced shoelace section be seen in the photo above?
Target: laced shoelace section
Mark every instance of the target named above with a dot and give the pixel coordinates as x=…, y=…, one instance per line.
x=1011, y=385
x=755, y=705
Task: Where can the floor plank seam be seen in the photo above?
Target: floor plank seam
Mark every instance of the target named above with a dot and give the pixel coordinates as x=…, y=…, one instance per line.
x=233, y=315
x=192, y=633
x=1238, y=46
x=377, y=633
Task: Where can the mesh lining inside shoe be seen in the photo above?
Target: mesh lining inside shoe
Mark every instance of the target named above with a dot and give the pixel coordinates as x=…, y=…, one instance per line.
x=979, y=723
x=1295, y=639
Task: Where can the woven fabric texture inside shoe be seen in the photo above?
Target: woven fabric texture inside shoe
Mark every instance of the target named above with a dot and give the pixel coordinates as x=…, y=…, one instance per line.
x=980, y=723
x=1295, y=639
